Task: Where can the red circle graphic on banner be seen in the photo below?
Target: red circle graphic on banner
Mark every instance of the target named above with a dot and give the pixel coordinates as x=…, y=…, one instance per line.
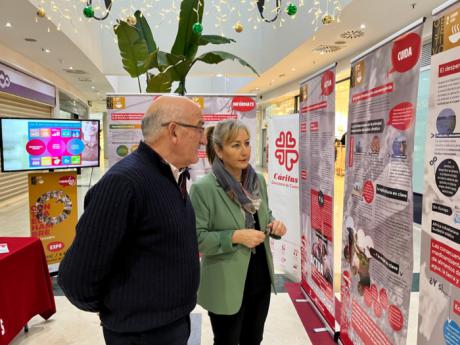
x=395, y=318
x=406, y=52
x=243, y=103
x=368, y=191
x=327, y=83
x=383, y=298
x=402, y=116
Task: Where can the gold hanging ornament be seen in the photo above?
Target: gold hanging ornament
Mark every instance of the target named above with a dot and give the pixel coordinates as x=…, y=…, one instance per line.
x=41, y=12
x=131, y=20
x=238, y=27
x=328, y=19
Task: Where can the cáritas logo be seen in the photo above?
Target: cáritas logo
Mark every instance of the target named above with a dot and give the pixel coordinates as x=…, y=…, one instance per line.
x=67, y=181
x=285, y=152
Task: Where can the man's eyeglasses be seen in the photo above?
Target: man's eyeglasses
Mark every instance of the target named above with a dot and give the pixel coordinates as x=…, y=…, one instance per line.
x=200, y=128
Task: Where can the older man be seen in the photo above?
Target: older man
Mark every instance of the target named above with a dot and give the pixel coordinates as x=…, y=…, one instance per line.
x=135, y=257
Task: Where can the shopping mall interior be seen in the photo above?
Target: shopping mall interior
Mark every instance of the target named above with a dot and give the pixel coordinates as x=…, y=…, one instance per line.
x=77, y=56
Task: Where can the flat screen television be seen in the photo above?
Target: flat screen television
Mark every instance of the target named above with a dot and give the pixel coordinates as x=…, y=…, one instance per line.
x=42, y=144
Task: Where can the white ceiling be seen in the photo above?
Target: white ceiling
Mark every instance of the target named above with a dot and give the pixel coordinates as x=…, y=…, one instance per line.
x=89, y=45
x=381, y=19
x=63, y=51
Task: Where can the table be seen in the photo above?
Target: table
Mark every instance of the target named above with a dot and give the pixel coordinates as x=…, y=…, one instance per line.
x=25, y=285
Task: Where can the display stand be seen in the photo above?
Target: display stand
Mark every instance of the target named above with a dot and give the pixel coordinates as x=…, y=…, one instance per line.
x=335, y=333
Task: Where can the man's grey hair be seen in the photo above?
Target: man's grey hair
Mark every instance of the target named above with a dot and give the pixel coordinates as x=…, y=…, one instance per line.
x=154, y=119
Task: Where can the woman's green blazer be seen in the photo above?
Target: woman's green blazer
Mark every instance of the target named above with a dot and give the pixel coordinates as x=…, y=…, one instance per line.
x=224, y=265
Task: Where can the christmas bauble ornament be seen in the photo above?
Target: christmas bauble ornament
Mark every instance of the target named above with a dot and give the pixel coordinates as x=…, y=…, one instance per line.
x=327, y=19
x=291, y=9
x=88, y=12
x=197, y=28
x=41, y=12
x=238, y=27
x=131, y=20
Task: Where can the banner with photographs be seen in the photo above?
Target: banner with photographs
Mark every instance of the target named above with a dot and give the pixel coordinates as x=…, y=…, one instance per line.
x=53, y=212
x=377, y=246
x=439, y=306
x=316, y=149
x=125, y=113
x=283, y=191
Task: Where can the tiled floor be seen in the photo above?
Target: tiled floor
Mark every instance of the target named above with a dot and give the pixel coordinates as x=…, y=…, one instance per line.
x=71, y=326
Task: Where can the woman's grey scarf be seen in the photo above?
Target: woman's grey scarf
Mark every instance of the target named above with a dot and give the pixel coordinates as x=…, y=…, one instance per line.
x=246, y=194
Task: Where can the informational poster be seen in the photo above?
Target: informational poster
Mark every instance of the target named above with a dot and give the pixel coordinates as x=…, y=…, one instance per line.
x=377, y=230
x=53, y=211
x=283, y=191
x=125, y=113
x=439, y=307
x=124, y=116
x=316, y=149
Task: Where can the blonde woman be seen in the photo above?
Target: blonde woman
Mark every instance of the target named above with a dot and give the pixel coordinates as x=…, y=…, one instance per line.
x=233, y=222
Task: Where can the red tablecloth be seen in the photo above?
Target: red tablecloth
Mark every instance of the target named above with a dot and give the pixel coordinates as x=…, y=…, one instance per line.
x=25, y=285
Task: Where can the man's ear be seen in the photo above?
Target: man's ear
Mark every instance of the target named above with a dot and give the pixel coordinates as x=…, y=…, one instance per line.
x=172, y=129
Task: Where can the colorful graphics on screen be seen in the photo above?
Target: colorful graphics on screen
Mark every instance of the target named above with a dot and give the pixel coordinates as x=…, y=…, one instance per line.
x=49, y=144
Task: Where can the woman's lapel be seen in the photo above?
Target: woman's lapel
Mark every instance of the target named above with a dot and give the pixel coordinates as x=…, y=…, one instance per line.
x=232, y=207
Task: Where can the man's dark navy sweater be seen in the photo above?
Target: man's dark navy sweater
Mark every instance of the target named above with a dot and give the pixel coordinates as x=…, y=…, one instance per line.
x=135, y=256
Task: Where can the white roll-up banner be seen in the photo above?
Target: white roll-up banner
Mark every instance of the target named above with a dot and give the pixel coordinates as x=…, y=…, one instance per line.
x=283, y=191
x=125, y=113
x=377, y=245
x=439, y=305
x=316, y=148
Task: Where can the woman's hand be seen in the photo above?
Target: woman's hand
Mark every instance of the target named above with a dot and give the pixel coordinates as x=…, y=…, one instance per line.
x=248, y=237
x=277, y=227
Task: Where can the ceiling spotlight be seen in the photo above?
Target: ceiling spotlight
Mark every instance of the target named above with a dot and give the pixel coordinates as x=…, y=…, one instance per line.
x=363, y=26
x=8, y=25
x=219, y=75
x=70, y=67
x=293, y=69
x=93, y=87
x=46, y=50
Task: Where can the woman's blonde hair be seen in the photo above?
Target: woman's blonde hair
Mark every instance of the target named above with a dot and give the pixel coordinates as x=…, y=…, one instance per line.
x=221, y=134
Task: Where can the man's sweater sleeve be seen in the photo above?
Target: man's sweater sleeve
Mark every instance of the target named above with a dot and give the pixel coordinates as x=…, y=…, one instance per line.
x=100, y=232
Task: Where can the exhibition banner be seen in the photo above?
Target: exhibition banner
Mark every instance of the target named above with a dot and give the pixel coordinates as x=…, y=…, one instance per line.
x=377, y=247
x=283, y=190
x=53, y=211
x=316, y=150
x=125, y=113
x=439, y=306
x=124, y=116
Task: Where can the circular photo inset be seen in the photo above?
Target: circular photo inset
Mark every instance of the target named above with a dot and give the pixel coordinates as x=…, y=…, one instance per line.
x=122, y=150
x=400, y=145
x=445, y=123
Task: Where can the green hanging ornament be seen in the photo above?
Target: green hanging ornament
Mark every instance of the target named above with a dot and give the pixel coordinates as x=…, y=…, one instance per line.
x=88, y=11
x=291, y=9
x=197, y=28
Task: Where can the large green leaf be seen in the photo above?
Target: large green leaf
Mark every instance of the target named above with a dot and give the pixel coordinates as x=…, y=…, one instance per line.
x=144, y=29
x=214, y=39
x=186, y=43
x=161, y=82
x=133, y=49
x=161, y=61
x=216, y=57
